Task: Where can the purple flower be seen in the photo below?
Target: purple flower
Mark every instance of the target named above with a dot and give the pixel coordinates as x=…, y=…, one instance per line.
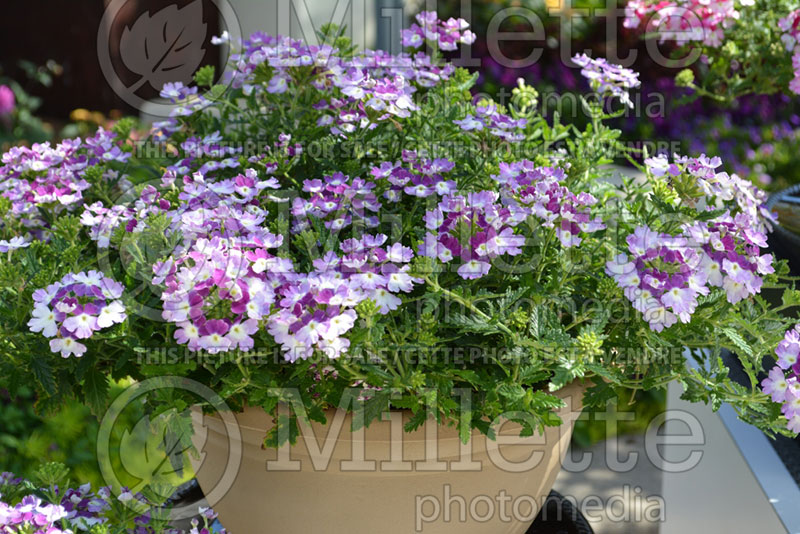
x=608, y=78
x=446, y=35
x=14, y=244
x=775, y=384
x=788, y=349
x=213, y=336
x=75, y=308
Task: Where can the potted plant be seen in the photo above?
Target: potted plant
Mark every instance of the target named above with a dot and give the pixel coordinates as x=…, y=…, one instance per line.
x=732, y=50
x=334, y=234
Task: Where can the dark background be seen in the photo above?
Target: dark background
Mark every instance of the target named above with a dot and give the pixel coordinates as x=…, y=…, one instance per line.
x=65, y=31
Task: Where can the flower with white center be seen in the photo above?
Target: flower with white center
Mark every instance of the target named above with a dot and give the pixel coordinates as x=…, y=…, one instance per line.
x=385, y=301
x=682, y=301
x=14, y=244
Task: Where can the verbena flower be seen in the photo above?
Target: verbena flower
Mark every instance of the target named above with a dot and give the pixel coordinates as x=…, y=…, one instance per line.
x=538, y=191
x=607, y=78
x=488, y=118
x=31, y=513
x=473, y=229
x=364, y=89
x=421, y=178
x=81, y=509
x=13, y=244
x=446, y=35
x=666, y=275
x=52, y=178
x=74, y=308
x=783, y=381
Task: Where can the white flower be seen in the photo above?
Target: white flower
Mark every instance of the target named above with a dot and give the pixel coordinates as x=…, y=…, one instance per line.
x=43, y=320
x=67, y=346
x=113, y=313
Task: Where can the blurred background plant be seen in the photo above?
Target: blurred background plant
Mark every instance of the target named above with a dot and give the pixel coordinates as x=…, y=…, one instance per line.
x=757, y=136
x=68, y=435
x=629, y=414
x=84, y=122
x=18, y=120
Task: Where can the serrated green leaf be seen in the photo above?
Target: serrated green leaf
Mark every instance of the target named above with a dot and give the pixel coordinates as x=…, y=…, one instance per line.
x=41, y=369
x=95, y=390
x=513, y=392
x=737, y=340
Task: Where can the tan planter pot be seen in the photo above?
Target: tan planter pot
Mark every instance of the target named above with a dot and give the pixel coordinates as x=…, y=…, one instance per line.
x=379, y=480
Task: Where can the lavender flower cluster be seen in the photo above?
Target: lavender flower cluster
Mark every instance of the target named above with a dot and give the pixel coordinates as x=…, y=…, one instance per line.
x=665, y=275
x=370, y=87
x=538, y=191
x=75, y=308
x=231, y=263
x=783, y=381
x=473, y=228
x=226, y=283
x=31, y=513
x=608, y=78
x=446, y=35
x=80, y=509
x=53, y=176
x=488, y=118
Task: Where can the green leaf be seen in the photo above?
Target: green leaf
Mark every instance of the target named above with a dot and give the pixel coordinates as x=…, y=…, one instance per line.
x=468, y=83
x=371, y=409
x=204, y=75
x=513, y=392
x=472, y=323
x=95, y=389
x=790, y=297
x=41, y=369
x=465, y=426
x=599, y=395
x=737, y=340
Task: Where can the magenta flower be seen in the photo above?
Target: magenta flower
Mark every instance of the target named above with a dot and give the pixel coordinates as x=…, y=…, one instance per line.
x=7, y=100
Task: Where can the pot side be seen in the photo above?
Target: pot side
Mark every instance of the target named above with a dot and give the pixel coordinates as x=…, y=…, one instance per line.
x=379, y=479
